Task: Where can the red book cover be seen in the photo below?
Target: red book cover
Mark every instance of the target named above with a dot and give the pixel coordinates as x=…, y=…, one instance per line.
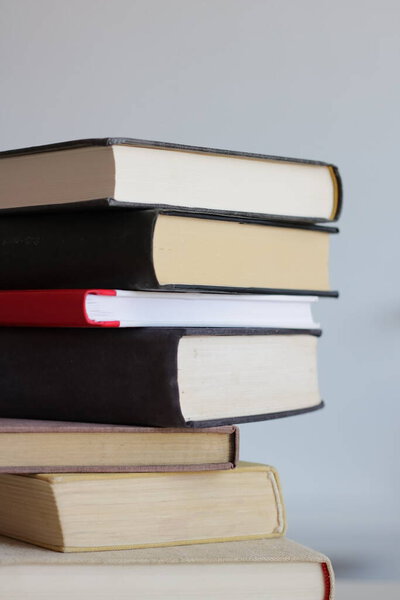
x=49, y=308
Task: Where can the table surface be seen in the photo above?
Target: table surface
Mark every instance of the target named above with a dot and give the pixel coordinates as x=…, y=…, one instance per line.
x=347, y=589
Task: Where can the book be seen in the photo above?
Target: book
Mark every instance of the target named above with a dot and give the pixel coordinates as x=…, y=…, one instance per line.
x=140, y=173
x=122, y=308
x=150, y=250
x=162, y=377
x=72, y=512
x=33, y=446
x=277, y=569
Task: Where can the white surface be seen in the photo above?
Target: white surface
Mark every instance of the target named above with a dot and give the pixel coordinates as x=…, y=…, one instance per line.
x=198, y=310
x=315, y=79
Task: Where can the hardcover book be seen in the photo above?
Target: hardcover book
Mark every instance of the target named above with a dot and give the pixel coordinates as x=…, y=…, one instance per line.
x=140, y=173
x=29, y=446
x=163, y=377
x=73, y=512
x=277, y=569
x=151, y=250
x=122, y=308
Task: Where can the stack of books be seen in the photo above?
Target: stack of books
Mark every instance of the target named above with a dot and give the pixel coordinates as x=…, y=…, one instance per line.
x=153, y=297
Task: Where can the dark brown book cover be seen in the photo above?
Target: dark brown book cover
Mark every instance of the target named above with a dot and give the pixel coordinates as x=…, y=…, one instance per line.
x=99, y=249
x=31, y=427
x=125, y=141
x=129, y=376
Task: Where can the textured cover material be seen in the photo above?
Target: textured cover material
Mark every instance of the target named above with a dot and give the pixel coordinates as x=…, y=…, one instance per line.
x=118, y=141
x=100, y=375
x=97, y=249
x=281, y=550
x=32, y=427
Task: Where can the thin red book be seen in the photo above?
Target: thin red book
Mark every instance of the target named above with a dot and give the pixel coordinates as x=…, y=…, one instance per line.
x=50, y=308
x=124, y=308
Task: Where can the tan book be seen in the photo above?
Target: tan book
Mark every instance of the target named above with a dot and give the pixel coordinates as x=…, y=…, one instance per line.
x=29, y=446
x=141, y=173
x=276, y=569
x=81, y=512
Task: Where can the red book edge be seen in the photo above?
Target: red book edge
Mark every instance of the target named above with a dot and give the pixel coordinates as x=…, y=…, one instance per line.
x=49, y=308
x=327, y=580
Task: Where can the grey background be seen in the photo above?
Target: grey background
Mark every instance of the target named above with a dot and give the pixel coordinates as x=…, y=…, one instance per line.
x=308, y=78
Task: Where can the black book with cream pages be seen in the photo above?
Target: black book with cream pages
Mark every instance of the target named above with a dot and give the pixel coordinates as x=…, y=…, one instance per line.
x=158, y=376
x=151, y=250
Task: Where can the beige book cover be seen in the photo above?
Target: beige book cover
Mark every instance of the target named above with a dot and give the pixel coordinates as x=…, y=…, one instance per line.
x=34, y=446
x=276, y=568
x=74, y=512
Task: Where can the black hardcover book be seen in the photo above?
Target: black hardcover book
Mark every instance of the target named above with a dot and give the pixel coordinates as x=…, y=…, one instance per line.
x=115, y=172
x=155, y=250
x=161, y=377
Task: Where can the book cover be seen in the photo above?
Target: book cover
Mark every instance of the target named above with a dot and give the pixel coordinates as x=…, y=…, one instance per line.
x=190, y=164
x=163, y=377
x=34, y=446
x=81, y=512
x=153, y=251
x=237, y=567
x=122, y=308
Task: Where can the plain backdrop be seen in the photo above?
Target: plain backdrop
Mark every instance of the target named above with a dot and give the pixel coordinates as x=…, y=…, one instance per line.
x=309, y=78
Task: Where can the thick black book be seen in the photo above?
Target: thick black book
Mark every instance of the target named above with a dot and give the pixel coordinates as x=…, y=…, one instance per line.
x=156, y=250
x=114, y=172
x=162, y=377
